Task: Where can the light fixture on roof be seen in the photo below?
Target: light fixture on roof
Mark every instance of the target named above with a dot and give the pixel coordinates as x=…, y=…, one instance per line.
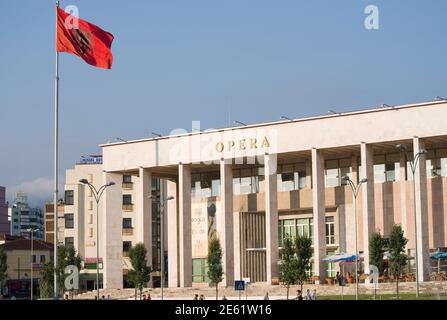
x=156, y=134
x=438, y=98
x=239, y=122
x=384, y=105
x=119, y=139
x=334, y=112
x=286, y=118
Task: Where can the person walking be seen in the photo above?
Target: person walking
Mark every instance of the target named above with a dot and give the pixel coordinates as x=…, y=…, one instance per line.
x=196, y=297
x=266, y=297
x=308, y=295
x=299, y=295
x=314, y=294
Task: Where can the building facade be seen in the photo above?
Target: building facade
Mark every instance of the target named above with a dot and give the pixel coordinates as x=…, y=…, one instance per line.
x=4, y=222
x=24, y=218
x=253, y=185
x=49, y=222
x=80, y=216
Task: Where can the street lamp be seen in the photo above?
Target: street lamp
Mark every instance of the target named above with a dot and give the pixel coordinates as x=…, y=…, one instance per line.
x=97, y=193
x=355, y=191
x=162, y=256
x=32, y=254
x=413, y=160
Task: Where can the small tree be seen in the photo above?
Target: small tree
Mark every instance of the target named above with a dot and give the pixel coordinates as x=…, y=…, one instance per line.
x=398, y=259
x=46, y=280
x=215, y=268
x=140, y=275
x=66, y=256
x=303, y=247
x=376, y=251
x=3, y=268
x=289, y=264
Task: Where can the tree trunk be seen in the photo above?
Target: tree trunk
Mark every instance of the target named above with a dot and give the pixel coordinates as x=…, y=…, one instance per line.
x=397, y=286
x=217, y=291
x=288, y=287
x=301, y=286
x=136, y=294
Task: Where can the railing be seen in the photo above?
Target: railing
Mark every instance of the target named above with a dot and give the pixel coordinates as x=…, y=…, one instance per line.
x=127, y=185
x=127, y=206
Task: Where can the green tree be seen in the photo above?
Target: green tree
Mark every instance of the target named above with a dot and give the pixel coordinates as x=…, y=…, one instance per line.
x=215, y=267
x=303, y=247
x=376, y=244
x=3, y=268
x=66, y=256
x=46, y=280
x=398, y=259
x=289, y=264
x=140, y=275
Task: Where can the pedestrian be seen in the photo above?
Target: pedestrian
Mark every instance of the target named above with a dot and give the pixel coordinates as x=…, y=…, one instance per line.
x=148, y=297
x=224, y=298
x=103, y=297
x=308, y=295
x=266, y=297
x=202, y=297
x=144, y=297
x=196, y=297
x=299, y=295
x=109, y=297
x=314, y=294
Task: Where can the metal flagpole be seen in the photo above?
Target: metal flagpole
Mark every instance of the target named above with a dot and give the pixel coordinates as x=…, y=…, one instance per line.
x=56, y=161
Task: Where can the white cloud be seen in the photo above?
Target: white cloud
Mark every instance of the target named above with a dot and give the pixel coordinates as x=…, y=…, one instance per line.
x=38, y=190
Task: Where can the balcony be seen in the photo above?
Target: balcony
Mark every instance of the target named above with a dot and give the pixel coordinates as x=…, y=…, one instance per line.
x=127, y=207
x=127, y=231
x=127, y=185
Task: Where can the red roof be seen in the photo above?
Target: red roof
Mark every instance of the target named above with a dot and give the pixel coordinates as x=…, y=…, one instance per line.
x=25, y=244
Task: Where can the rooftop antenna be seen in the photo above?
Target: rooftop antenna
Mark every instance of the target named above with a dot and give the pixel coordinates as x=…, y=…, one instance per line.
x=239, y=122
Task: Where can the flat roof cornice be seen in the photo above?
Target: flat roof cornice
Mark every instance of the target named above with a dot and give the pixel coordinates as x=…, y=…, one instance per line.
x=279, y=122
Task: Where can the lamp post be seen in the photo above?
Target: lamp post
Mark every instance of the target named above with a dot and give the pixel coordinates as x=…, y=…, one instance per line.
x=162, y=256
x=355, y=192
x=97, y=193
x=413, y=160
x=32, y=262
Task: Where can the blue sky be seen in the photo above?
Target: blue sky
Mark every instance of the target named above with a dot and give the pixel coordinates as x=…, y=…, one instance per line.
x=179, y=61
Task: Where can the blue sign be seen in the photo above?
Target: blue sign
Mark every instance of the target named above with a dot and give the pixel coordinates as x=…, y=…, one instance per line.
x=239, y=285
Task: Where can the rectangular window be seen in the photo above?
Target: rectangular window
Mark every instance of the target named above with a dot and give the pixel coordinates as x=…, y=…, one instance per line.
x=127, y=179
x=42, y=258
x=332, y=173
x=379, y=169
x=127, y=223
x=69, y=197
x=34, y=258
x=331, y=268
x=127, y=245
x=69, y=220
x=199, y=270
x=330, y=230
x=442, y=156
x=69, y=242
x=127, y=199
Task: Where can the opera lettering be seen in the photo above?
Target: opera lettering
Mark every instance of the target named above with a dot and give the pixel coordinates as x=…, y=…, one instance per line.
x=242, y=144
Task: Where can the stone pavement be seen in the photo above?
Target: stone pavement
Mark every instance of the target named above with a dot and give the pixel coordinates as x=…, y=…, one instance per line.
x=257, y=291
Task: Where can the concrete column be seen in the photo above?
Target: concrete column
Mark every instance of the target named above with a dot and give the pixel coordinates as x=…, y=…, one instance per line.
x=403, y=192
x=420, y=180
x=237, y=246
x=173, y=229
x=319, y=213
x=143, y=212
x=308, y=174
x=368, y=210
x=185, y=254
x=271, y=216
x=224, y=221
x=112, y=243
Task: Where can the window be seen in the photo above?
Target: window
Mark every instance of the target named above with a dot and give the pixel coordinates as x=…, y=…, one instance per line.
x=246, y=181
x=69, y=220
x=386, y=167
x=42, y=258
x=330, y=230
x=69, y=242
x=34, y=258
x=205, y=184
x=69, y=197
x=331, y=271
x=127, y=179
x=199, y=270
x=127, y=223
x=127, y=199
x=127, y=245
x=335, y=170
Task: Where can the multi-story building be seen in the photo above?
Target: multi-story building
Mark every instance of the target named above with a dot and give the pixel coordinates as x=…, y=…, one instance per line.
x=253, y=185
x=23, y=218
x=49, y=222
x=4, y=222
x=20, y=260
x=80, y=219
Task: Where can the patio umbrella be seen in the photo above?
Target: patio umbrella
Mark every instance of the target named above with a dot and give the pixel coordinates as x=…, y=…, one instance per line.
x=439, y=256
x=341, y=257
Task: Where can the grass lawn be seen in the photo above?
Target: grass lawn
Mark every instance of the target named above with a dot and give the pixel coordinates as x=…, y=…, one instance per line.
x=403, y=296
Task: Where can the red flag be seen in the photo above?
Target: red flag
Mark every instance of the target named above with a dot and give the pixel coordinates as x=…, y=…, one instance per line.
x=86, y=40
